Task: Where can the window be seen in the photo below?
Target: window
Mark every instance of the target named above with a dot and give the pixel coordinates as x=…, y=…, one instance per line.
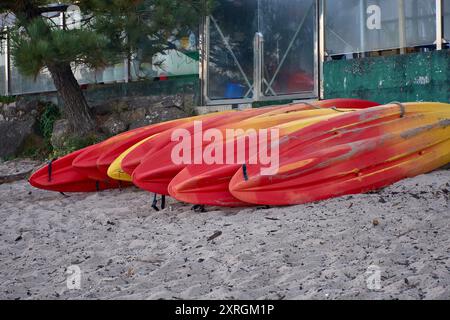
x=23, y=84
x=43, y=81
x=358, y=26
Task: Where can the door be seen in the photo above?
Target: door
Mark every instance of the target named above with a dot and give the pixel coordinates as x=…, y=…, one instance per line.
x=256, y=50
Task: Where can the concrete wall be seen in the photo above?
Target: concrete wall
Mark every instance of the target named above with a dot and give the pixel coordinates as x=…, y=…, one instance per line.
x=410, y=77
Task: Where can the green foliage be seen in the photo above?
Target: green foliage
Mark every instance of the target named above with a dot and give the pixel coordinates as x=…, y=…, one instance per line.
x=37, y=47
x=48, y=117
x=75, y=143
x=110, y=30
x=7, y=99
x=38, y=146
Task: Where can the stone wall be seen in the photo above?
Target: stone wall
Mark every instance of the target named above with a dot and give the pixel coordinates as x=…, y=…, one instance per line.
x=96, y=94
x=117, y=108
x=18, y=121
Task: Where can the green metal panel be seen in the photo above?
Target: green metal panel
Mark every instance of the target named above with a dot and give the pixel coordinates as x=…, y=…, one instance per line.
x=410, y=77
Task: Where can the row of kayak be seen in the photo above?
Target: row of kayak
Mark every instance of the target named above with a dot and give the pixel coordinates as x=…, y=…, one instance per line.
x=323, y=149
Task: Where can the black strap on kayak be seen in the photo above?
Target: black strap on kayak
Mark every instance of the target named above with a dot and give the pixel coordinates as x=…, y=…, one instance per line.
x=402, y=108
x=120, y=185
x=198, y=208
x=337, y=110
x=319, y=107
x=50, y=169
x=155, y=202
x=244, y=171
x=306, y=104
x=163, y=202
x=65, y=195
x=311, y=105
x=97, y=185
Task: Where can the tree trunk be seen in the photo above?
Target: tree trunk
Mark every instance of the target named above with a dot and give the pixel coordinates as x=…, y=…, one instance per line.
x=76, y=109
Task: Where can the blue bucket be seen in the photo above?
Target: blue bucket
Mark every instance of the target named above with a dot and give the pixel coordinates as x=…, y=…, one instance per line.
x=234, y=91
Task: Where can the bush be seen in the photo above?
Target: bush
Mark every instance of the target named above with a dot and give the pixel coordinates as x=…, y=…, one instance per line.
x=7, y=99
x=38, y=144
x=75, y=143
x=47, y=118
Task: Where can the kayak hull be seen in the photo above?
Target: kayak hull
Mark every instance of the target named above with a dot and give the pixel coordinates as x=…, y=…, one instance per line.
x=157, y=170
x=95, y=162
x=350, y=154
x=60, y=176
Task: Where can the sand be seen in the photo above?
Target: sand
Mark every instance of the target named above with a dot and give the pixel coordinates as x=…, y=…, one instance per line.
x=126, y=250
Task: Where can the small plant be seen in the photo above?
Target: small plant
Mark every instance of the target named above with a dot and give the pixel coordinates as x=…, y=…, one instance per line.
x=190, y=110
x=75, y=143
x=38, y=144
x=7, y=99
x=48, y=117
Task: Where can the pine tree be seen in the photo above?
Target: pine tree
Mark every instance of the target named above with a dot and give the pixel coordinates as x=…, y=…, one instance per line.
x=108, y=31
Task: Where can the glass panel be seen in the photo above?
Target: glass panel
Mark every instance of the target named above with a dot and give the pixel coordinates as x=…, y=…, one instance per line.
x=175, y=63
x=141, y=70
x=43, y=81
x=288, y=46
x=23, y=84
x=354, y=26
x=230, y=67
x=183, y=59
x=85, y=75
x=420, y=18
x=446, y=10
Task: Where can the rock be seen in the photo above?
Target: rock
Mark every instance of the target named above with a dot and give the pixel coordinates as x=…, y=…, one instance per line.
x=25, y=106
x=13, y=134
x=14, y=177
x=18, y=126
x=172, y=101
x=20, y=110
x=61, y=130
x=135, y=112
x=135, y=118
x=113, y=125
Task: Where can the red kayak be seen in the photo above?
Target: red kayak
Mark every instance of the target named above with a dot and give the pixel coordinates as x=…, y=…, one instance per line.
x=134, y=158
x=353, y=153
x=95, y=161
x=157, y=170
x=59, y=175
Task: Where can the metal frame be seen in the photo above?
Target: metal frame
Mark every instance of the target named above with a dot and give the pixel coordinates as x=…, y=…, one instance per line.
x=204, y=56
x=306, y=95
x=401, y=26
x=321, y=47
x=258, y=72
x=439, y=25
x=7, y=64
x=258, y=95
x=204, y=68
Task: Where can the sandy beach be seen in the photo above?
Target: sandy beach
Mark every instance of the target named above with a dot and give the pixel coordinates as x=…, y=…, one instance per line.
x=126, y=250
